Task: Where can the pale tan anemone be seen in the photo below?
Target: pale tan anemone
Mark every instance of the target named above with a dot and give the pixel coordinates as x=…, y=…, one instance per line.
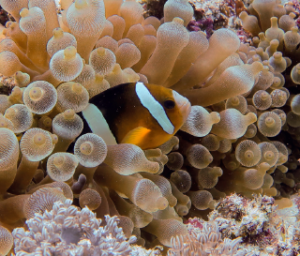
x=240, y=99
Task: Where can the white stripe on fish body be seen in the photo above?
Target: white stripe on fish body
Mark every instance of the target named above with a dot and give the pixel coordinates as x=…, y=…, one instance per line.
x=98, y=124
x=154, y=107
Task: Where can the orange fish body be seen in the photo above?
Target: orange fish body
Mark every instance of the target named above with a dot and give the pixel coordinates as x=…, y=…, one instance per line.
x=144, y=115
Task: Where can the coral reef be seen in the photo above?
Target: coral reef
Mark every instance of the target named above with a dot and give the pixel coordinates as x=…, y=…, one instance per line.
x=241, y=134
x=238, y=226
x=263, y=227
x=65, y=230
x=240, y=217
x=241, y=226
x=204, y=239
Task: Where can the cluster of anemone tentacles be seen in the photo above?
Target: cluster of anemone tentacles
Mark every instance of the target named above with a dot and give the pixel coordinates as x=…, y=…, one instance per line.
x=245, y=109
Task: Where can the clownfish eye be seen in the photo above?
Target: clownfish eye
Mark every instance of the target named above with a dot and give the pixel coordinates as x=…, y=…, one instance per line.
x=169, y=104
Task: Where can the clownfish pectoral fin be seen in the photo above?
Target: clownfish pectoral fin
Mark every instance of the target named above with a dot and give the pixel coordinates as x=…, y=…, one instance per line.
x=136, y=135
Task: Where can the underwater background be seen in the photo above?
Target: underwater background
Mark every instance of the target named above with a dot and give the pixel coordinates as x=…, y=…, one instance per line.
x=149, y=127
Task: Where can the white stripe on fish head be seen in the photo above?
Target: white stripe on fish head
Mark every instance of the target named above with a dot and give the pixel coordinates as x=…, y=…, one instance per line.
x=154, y=107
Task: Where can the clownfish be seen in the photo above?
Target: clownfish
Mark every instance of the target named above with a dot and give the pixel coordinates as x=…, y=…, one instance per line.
x=144, y=115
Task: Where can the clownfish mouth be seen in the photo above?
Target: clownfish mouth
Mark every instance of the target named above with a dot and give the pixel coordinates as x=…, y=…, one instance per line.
x=180, y=100
x=183, y=103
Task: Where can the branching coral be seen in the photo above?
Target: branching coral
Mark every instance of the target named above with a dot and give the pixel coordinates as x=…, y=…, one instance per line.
x=65, y=230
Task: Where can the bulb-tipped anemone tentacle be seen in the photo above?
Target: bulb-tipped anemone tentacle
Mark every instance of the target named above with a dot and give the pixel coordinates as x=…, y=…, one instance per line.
x=152, y=114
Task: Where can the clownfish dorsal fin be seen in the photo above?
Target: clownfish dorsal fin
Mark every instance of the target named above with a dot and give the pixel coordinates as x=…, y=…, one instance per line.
x=136, y=135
